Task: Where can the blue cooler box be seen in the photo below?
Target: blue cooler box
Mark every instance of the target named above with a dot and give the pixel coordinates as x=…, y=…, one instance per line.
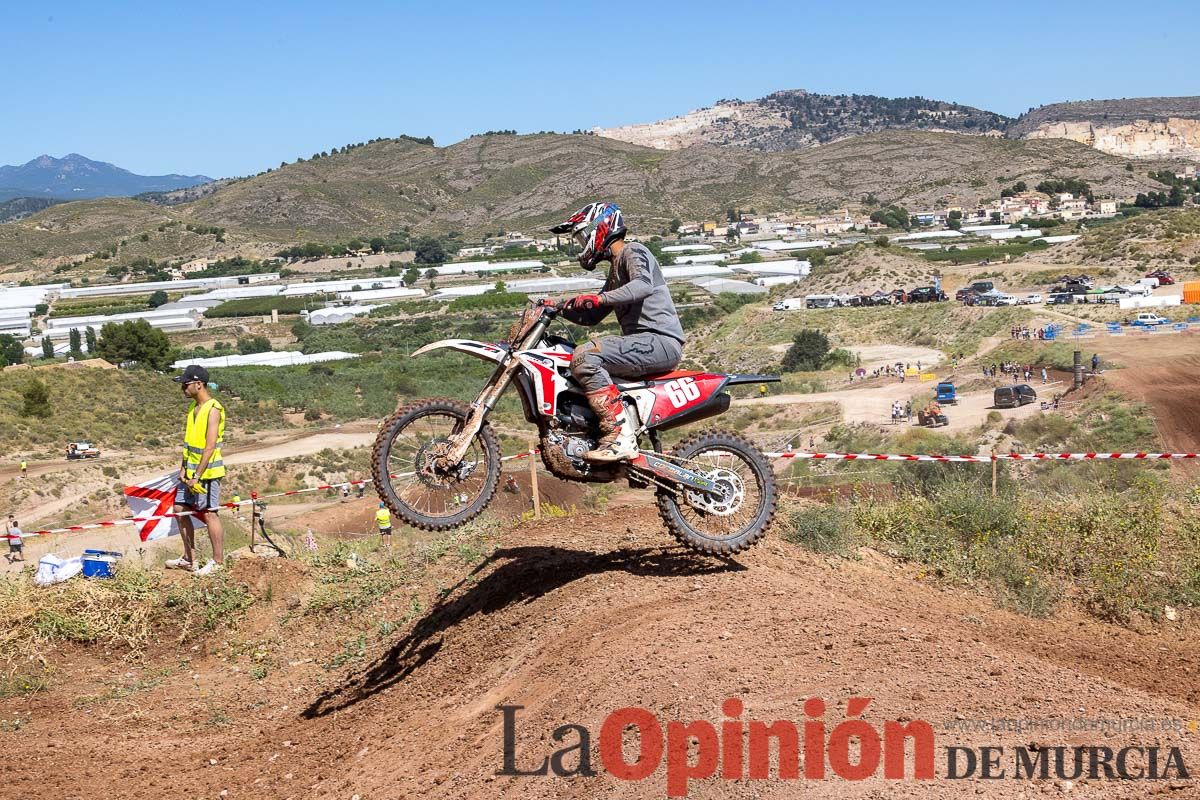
x=99, y=563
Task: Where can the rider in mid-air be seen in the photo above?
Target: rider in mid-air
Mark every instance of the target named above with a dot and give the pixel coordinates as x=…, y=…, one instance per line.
x=652, y=337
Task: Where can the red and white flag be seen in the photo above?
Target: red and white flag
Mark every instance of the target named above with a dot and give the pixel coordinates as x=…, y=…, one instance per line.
x=156, y=499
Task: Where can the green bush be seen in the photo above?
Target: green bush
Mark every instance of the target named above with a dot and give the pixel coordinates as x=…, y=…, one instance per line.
x=807, y=352
x=995, y=252
x=262, y=306
x=489, y=300
x=821, y=528
x=36, y=400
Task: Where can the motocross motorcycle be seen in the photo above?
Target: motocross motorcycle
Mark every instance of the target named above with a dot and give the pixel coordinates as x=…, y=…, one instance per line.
x=436, y=462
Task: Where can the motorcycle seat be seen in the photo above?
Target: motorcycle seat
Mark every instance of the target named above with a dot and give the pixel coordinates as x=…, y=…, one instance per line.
x=659, y=377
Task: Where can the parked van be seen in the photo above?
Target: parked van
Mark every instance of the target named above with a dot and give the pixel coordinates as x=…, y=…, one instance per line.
x=982, y=286
x=1013, y=396
x=821, y=301
x=790, y=304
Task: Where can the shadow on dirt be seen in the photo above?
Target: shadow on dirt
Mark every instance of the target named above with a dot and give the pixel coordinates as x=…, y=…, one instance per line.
x=524, y=574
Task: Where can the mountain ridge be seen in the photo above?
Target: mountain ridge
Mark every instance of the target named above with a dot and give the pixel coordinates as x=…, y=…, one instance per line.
x=77, y=177
x=526, y=182
x=795, y=119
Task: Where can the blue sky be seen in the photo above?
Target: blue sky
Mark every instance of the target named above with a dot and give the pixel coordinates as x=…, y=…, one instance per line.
x=232, y=88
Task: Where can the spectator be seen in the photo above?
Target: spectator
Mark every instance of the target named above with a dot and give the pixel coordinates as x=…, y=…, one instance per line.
x=24, y=472
x=383, y=520
x=1045, y=377
x=16, y=543
x=200, y=472
x=1095, y=362
x=908, y=411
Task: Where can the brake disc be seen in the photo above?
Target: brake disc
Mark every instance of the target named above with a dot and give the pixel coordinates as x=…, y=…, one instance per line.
x=732, y=493
x=432, y=469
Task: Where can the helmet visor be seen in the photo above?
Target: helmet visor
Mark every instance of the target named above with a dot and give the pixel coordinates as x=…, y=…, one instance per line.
x=581, y=238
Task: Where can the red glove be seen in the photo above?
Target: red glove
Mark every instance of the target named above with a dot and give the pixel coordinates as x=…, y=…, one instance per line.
x=547, y=301
x=584, y=302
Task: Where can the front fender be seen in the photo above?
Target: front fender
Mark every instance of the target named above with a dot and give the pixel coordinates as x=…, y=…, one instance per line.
x=481, y=350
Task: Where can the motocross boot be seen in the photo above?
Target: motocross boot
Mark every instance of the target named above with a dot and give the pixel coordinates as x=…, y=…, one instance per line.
x=617, y=440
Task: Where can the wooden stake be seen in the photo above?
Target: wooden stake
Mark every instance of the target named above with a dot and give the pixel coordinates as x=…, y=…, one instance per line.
x=253, y=522
x=995, y=462
x=533, y=484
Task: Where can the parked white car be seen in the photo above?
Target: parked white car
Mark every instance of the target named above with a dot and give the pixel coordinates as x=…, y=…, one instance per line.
x=1007, y=300
x=1032, y=300
x=1150, y=319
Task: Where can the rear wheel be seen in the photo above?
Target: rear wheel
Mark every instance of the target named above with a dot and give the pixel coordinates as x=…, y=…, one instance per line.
x=737, y=518
x=409, y=479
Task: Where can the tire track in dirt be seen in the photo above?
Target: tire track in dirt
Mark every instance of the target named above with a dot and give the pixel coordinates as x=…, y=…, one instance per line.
x=576, y=617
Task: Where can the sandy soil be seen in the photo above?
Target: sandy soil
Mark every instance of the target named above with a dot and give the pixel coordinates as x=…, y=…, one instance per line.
x=871, y=402
x=573, y=619
x=301, y=446
x=886, y=355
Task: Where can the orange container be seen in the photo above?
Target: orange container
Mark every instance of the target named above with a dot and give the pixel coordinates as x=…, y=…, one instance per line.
x=1191, y=292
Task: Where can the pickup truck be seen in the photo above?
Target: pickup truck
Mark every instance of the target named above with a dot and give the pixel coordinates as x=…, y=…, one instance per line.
x=77, y=450
x=1149, y=320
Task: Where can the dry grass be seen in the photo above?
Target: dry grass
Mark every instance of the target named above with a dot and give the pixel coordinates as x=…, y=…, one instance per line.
x=126, y=612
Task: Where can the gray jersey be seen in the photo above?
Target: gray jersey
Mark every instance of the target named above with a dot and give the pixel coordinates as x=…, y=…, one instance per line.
x=636, y=290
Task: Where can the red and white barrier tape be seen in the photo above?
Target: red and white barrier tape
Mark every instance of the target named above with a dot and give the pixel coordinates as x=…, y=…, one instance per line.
x=112, y=523
x=984, y=459
x=908, y=457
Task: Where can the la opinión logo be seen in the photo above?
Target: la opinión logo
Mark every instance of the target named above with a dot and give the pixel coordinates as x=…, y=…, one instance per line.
x=735, y=748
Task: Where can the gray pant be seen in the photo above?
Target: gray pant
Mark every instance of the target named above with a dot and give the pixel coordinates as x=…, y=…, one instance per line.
x=597, y=362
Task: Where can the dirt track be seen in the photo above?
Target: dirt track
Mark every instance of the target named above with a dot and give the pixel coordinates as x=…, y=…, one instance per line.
x=1163, y=371
x=574, y=619
x=872, y=403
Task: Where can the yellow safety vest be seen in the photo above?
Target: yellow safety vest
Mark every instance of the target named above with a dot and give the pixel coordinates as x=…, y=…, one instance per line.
x=384, y=518
x=195, y=436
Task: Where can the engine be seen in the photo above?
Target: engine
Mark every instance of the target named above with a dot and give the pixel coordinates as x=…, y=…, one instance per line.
x=575, y=415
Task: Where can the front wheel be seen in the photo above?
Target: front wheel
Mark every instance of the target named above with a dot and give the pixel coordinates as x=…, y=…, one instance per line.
x=412, y=483
x=739, y=517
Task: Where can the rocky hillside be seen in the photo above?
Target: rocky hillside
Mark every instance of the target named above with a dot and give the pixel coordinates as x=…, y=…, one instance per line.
x=486, y=183
x=796, y=119
x=1163, y=239
x=866, y=269
x=1137, y=128
x=21, y=207
x=1145, y=127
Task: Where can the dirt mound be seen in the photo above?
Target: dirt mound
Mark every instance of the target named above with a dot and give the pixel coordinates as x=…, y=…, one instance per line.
x=573, y=619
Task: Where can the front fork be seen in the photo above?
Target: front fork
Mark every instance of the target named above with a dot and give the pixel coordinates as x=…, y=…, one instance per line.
x=487, y=399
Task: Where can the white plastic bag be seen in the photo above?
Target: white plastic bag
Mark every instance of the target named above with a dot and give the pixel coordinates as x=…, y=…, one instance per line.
x=52, y=569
